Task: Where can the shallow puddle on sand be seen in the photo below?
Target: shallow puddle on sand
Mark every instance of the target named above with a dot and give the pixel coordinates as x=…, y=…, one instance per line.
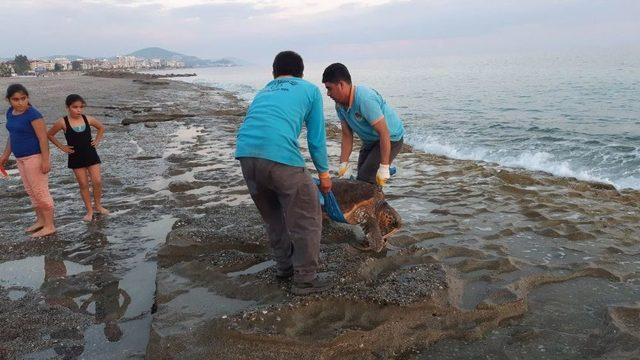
x=46, y=354
x=16, y=294
x=121, y=315
x=32, y=272
x=253, y=269
x=158, y=230
x=195, y=306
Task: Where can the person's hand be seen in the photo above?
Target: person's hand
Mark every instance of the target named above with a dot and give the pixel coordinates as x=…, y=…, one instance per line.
x=345, y=171
x=45, y=166
x=382, y=175
x=67, y=149
x=3, y=160
x=325, y=182
x=95, y=143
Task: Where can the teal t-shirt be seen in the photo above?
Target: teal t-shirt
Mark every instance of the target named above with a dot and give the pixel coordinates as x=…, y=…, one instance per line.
x=367, y=107
x=274, y=121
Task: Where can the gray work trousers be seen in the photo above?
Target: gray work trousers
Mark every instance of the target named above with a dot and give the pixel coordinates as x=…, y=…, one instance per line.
x=287, y=200
x=369, y=159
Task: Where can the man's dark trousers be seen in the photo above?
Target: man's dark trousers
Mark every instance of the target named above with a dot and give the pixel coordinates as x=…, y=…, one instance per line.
x=287, y=200
x=369, y=159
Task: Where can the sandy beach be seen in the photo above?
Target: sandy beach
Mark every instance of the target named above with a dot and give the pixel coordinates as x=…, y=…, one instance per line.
x=62, y=295
x=490, y=262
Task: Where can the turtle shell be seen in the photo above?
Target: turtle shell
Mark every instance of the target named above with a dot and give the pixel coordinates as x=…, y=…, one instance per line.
x=353, y=195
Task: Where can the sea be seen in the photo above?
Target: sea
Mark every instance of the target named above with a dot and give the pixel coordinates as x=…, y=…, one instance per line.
x=571, y=115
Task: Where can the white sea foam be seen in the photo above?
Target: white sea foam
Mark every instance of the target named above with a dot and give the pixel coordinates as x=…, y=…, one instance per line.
x=540, y=121
x=530, y=160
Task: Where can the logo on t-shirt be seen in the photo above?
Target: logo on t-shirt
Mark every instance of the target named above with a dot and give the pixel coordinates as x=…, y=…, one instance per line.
x=359, y=116
x=279, y=85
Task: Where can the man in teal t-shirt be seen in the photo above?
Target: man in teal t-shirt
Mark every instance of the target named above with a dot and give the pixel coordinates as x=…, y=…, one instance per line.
x=274, y=170
x=362, y=110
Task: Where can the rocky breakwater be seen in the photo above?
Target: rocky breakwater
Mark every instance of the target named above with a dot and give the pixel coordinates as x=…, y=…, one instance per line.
x=121, y=74
x=217, y=297
x=489, y=262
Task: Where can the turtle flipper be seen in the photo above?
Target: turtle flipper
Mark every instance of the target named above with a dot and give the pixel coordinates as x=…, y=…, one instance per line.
x=389, y=220
x=371, y=229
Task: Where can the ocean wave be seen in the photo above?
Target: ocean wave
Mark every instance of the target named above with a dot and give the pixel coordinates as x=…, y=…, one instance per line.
x=243, y=91
x=529, y=160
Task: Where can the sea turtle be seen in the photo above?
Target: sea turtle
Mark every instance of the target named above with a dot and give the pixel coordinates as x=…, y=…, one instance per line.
x=364, y=204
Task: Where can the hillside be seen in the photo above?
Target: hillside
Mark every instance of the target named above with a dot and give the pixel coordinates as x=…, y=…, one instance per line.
x=190, y=61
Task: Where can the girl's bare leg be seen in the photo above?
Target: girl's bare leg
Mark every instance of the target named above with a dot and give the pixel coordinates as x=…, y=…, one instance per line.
x=48, y=227
x=83, y=182
x=39, y=222
x=25, y=174
x=96, y=182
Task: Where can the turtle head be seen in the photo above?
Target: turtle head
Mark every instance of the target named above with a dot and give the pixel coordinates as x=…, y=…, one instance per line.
x=388, y=219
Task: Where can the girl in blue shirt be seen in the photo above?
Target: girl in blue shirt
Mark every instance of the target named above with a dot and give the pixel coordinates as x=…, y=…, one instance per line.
x=29, y=144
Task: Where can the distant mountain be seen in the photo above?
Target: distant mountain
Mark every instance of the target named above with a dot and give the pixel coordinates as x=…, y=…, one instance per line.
x=157, y=53
x=189, y=61
x=238, y=62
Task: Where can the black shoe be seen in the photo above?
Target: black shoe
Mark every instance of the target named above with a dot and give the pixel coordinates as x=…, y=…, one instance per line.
x=284, y=274
x=310, y=287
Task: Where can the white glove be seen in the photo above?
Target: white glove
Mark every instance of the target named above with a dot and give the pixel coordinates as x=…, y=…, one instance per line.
x=382, y=175
x=345, y=171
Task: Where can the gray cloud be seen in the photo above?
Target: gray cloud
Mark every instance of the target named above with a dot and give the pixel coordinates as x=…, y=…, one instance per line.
x=406, y=28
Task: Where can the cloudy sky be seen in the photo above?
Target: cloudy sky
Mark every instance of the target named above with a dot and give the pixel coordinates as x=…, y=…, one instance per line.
x=319, y=29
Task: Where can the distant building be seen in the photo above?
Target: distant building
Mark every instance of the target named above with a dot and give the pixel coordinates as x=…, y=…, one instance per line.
x=42, y=65
x=125, y=62
x=175, y=64
x=64, y=63
x=120, y=62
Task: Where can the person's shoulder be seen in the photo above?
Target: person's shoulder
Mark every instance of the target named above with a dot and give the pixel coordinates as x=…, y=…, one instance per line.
x=310, y=87
x=365, y=93
x=92, y=119
x=33, y=113
x=306, y=83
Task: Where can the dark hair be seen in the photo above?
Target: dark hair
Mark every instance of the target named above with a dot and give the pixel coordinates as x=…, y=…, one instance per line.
x=335, y=73
x=73, y=98
x=16, y=88
x=288, y=63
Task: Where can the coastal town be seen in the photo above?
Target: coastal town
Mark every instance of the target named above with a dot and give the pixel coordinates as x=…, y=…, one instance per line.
x=21, y=65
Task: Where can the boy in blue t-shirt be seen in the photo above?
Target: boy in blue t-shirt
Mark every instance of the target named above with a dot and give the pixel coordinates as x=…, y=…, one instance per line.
x=362, y=110
x=274, y=169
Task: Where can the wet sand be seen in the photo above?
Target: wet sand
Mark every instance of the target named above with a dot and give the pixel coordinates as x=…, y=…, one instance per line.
x=490, y=262
x=89, y=290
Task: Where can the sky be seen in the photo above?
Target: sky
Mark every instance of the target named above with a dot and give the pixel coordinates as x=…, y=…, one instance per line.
x=255, y=30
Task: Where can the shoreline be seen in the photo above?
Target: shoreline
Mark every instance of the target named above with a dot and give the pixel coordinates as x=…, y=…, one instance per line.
x=530, y=157
x=482, y=252
x=457, y=236
x=333, y=130
x=57, y=293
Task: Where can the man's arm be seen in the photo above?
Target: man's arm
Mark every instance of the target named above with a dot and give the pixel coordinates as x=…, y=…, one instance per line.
x=317, y=141
x=346, y=146
x=380, y=126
